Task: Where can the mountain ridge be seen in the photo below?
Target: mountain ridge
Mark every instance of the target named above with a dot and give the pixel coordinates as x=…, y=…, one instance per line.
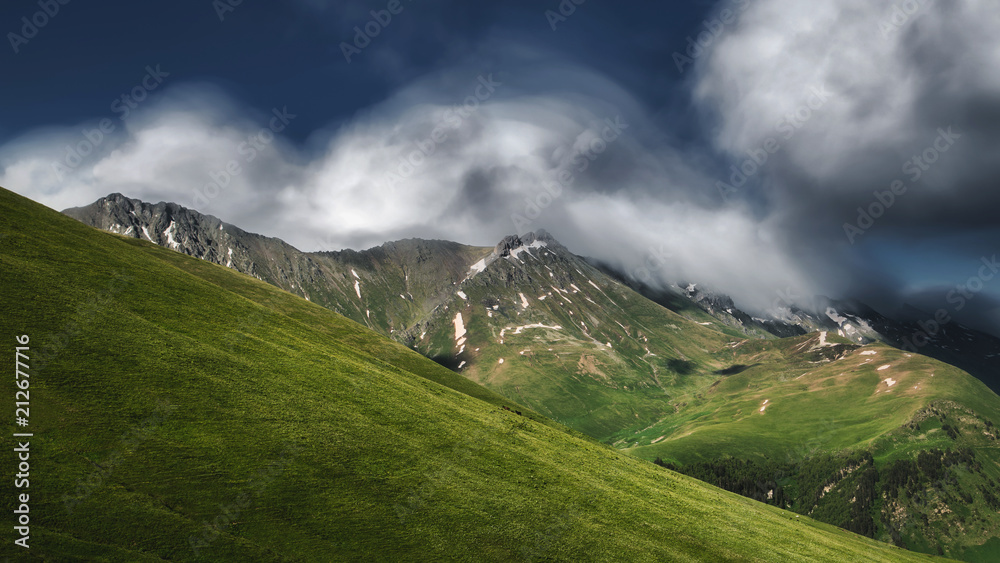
x=313, y=274
x=692, y=379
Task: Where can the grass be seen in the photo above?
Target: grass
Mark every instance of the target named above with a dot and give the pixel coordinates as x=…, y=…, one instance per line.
x=836, y=399
x=819, y=405
x=615, y=361
x=182, y=411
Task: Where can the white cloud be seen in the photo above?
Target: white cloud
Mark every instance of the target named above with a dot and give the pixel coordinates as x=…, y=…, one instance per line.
x=488, y=163
x=722, y=249
x=895, y=77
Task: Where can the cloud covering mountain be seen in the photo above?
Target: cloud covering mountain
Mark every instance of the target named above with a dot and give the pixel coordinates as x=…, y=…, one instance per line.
x=784, y=121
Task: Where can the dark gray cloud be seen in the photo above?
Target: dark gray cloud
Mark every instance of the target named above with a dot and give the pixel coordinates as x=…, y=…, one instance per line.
x=912, y=95
x=895, y=82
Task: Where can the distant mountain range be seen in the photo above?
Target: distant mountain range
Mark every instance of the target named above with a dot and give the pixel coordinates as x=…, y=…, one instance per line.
x=813, y=411
x=974, y=351
x=407, y=282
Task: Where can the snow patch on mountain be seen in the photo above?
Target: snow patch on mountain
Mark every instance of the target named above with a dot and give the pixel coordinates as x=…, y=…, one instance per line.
x=478, y=267
x=559, y=293
x=835, y=316
x=518, y=329
x=169, y=233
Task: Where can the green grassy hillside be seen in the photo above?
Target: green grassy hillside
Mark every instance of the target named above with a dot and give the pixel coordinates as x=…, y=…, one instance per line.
x=182, y=411
x=545, y=328
x=837, y=392
x=898, y=446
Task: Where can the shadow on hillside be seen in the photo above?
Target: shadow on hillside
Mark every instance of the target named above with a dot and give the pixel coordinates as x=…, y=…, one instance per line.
x=734, y=369
x=447, y=361
x=681, y=367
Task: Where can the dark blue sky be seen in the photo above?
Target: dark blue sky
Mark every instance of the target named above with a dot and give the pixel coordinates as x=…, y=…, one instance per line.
x=288, y=53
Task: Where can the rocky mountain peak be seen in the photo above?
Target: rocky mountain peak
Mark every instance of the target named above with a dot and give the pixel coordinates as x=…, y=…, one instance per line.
x=513, y=242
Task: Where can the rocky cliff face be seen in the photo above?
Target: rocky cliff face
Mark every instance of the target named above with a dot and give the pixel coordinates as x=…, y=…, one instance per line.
x=177, y=228
x=387, y=288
